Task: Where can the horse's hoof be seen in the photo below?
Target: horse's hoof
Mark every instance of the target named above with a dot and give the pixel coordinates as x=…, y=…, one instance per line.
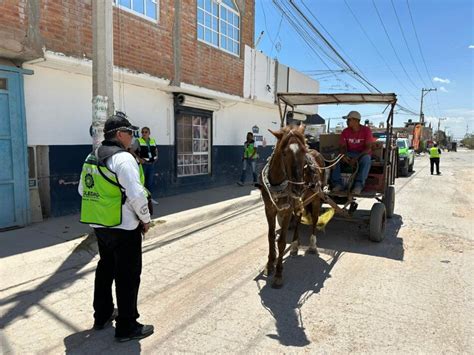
x=312, y=251
x=277, y=283
x=268, y=271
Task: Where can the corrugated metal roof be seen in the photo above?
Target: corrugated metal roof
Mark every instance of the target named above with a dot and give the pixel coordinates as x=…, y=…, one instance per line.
x=295, y=99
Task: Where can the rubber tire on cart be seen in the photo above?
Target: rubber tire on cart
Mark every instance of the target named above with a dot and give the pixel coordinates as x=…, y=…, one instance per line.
x=377, y=222
x=389, y=201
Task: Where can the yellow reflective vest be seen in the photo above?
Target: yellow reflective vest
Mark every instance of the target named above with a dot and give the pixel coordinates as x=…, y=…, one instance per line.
x=434, y=152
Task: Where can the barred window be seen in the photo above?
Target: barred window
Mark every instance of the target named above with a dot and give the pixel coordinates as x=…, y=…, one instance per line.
x=192, y=142
x=143, y=8
x=218, y=24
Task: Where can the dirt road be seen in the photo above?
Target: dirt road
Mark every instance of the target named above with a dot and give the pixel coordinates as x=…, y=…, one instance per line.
x=203, y=289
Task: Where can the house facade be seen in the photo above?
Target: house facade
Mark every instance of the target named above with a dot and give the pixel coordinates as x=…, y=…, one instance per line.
x=185, y=69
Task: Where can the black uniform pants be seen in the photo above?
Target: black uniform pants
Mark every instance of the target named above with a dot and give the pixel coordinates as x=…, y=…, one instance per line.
x=433, y=162
x=120, y=260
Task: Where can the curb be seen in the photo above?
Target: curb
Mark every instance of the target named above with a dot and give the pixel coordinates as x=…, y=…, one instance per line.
x=169, y=223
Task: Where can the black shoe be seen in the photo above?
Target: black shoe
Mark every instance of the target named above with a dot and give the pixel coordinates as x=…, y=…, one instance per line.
x=141, y=331
x=100, y=326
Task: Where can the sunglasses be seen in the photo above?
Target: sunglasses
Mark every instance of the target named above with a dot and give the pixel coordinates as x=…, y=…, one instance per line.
x=127, y=131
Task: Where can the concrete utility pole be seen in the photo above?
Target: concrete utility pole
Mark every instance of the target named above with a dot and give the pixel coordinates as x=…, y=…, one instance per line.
x=438, y=134
x=102, y=67
x=423, y=91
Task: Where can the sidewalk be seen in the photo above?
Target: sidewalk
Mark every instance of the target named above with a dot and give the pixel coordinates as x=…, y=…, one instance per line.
x=172, y=212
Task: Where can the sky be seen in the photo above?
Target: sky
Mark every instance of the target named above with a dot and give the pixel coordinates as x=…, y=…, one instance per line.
x=421, y=44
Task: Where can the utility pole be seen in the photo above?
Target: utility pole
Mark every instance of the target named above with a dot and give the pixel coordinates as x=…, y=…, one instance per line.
x=424, y=92
x=102, y=67
x=438, y=134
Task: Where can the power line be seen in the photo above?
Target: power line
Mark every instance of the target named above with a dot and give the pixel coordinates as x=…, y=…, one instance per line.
x=393, y=47
x=330, y=36
x=378, y=52
x=356, y=75
x=421, y=51
x=406, y=42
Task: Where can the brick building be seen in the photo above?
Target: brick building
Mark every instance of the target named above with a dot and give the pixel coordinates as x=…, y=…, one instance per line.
x=186, y=69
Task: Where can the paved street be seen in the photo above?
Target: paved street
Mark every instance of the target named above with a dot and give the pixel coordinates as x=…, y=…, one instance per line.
x=203, y=289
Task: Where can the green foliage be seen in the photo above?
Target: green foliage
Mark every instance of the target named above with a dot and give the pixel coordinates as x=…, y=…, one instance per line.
x=468, y=141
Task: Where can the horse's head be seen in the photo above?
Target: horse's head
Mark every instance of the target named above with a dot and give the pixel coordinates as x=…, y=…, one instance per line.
x=291, y=147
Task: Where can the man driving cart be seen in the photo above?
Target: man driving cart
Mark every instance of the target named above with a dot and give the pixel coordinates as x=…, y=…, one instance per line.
x=355, y=143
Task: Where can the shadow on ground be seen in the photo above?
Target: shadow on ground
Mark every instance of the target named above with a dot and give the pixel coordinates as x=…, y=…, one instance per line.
x=99, y=342
x=305, y=275
x=62, y=229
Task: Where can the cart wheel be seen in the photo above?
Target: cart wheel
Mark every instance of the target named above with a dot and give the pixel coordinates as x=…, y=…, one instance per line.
x=377, y=222
x=389, y=201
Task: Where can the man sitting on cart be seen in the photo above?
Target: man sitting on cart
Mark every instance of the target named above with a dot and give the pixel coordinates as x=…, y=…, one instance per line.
x=355, y=143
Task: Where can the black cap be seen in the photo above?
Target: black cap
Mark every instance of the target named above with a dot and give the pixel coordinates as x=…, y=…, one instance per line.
x=118, y=122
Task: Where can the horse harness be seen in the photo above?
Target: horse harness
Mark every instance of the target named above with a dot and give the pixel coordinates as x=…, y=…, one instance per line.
x=282, y=190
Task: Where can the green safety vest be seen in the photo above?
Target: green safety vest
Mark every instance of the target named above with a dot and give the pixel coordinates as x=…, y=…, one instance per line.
x=249, y=149
x=148, y=151
x=434, y=152
x=102, y=196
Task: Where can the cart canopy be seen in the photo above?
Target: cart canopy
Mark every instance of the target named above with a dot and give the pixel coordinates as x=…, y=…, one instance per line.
x=295, y=99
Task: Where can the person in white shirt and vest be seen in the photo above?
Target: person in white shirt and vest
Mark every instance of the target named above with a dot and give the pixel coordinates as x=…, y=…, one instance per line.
x=146, y=150
x=114, y=203
x=435, y=154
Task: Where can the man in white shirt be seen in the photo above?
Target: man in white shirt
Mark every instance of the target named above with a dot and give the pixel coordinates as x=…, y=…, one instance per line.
x=114, y=203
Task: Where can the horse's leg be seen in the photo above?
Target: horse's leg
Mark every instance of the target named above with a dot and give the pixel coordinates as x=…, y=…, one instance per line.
x=278, y=278
x=314, y=215
x=296, y=238
x=271, y=214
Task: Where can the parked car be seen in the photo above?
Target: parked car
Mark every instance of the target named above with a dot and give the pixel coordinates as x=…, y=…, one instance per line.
x=406, y=156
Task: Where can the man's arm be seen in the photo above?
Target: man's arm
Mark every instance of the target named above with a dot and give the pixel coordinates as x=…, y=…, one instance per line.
x=129, y=177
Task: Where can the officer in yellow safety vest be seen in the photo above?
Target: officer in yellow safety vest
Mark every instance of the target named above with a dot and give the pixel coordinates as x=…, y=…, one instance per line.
x=147, y=151
x=435, y=154
x=114, y=203
x=249, y=159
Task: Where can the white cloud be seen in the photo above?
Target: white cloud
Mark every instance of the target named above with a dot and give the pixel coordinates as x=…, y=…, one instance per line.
x=442, y=89
x=444, y=81
x=471, y=46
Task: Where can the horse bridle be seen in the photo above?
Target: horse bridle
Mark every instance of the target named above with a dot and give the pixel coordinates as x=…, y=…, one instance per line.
x=280, y=190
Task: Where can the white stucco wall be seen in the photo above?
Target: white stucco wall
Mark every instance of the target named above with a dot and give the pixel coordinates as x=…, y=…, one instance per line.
x=232, y=124
x=59, y=110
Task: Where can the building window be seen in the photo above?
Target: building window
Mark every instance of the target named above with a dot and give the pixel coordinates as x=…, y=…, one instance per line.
x=218, y=24
x=193, y=145
x=144, y=8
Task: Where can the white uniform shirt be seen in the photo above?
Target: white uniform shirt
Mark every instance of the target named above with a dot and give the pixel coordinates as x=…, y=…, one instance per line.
x=135, y=208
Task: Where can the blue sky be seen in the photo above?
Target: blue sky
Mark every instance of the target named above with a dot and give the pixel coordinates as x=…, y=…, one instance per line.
x=445, y=30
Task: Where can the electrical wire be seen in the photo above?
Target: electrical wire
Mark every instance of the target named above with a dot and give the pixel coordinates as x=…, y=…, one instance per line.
x=393, y=47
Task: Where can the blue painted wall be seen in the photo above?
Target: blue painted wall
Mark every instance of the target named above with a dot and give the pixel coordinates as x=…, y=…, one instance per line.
x=66, y=163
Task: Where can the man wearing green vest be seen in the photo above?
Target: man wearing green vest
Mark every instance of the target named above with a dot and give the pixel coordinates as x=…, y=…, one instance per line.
x=249, y=159
x=146, y=150
x=114, y=203
x=435, y=154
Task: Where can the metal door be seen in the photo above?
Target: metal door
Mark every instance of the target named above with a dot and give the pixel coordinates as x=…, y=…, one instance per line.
x=13, y=173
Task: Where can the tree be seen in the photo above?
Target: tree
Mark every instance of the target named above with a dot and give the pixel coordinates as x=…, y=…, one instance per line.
x=468, y=141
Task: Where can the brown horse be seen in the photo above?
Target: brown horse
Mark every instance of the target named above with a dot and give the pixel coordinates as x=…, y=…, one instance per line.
x=291, y=175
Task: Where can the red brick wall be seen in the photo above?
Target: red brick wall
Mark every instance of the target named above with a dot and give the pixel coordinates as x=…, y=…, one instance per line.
x=13, y=29
x=207, y=66
x=140, y=45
